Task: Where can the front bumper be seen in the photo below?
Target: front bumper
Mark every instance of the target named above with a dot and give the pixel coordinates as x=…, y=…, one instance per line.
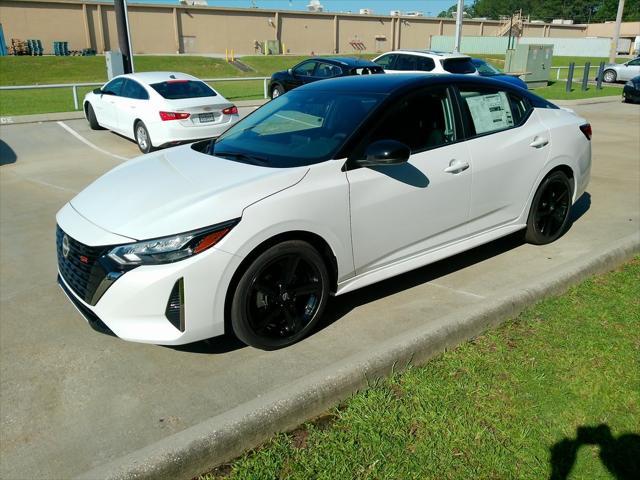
x=134, y=306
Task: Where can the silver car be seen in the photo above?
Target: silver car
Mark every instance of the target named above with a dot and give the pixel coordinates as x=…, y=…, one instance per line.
x=621, y=72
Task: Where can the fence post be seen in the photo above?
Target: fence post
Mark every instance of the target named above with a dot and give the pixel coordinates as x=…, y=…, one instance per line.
x=585, y=75
x=75, y=96
x=570, y=76
x=599, y=79
x=265, y=89
x=558, y=73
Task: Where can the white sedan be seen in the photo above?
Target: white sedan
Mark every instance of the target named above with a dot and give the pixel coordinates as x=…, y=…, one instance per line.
x=158, y=109
x=334, y=186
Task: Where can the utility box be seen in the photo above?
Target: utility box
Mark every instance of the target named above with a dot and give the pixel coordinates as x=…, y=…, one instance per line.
x=115, y=64
x=532, y=62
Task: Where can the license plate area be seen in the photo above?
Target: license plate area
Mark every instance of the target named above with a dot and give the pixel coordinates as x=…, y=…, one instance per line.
x=206, y=117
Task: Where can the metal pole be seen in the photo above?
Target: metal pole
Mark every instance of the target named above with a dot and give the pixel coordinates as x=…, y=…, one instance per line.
x=265, y=89
x=599, y=78
x=616, y=34
x=585, y=75
x=124, y=39
x=75, y=96
x=570, y=76
x=456, y=46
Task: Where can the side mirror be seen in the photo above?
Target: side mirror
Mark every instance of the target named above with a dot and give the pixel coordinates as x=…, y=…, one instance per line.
x=97, y=91
x=385, y=152
x=290, y=71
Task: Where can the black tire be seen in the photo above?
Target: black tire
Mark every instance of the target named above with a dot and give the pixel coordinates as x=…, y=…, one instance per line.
x=281, y=296
x=91, y=118
x=276, y=91
x=142, y=137
x=610, y=76
x=549, y=215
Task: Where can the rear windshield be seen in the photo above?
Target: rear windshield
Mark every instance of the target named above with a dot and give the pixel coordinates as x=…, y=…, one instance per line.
x=459, y=65
x=177, y=89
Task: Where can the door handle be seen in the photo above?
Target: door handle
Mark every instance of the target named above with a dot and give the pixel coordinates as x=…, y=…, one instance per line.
x=539, y=142
x=456, y=166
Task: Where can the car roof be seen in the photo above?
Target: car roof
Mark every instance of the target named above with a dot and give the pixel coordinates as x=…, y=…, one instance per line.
x=431, y=53
x=346, y=61
x=149, y=78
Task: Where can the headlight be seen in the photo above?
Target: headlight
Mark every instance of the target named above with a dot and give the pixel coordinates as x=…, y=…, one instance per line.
x=629, y=83
x=170, y=249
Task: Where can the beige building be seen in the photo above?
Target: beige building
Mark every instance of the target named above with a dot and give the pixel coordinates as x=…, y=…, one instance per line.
x=162, y=29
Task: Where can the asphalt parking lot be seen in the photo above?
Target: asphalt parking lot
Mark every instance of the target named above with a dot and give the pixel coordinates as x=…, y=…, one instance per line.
x=72, y=399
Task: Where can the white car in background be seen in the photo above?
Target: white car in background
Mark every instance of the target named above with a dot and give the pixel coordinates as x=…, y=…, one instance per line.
x=420, y=61
x=158, y=109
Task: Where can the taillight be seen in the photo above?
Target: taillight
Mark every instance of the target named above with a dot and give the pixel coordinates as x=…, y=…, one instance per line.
x=586, y=129
x=173, y=116
x=232, y=110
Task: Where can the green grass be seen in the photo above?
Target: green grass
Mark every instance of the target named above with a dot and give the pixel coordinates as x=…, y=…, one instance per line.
x=515, y=403
x=557, y=91
x=52, y=70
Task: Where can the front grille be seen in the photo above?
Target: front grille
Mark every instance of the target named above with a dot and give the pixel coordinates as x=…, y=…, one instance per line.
x=81, y=268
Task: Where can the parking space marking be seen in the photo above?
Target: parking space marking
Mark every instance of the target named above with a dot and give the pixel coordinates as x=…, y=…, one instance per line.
x=474, y=295
x=88, y=143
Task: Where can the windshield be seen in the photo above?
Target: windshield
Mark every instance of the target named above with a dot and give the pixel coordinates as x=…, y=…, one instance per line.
x=179, y=89
x=459, y=65
x=486, y=69
x=296, y=129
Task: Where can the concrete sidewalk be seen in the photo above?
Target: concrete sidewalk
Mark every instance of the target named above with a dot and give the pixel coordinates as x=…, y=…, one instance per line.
x=74, y=401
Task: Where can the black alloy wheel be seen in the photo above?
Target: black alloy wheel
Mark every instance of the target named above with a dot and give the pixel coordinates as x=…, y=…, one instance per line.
x=549, y=214
x=281, y=296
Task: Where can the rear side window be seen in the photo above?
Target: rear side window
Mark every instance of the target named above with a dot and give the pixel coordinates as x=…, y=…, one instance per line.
x=326, y=70
x=490, y=110
x=406, y=62
x=178, y=89
x=458, y=65
x=134, y=90
x=386, y=61
x=425, y=64
x=366, y=71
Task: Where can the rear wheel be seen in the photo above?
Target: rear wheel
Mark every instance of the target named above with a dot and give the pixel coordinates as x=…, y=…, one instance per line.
x=276, y=91
x=549, y=214
x=91, y=118
x=142, y=138
x=610, y=76
x=281, y=296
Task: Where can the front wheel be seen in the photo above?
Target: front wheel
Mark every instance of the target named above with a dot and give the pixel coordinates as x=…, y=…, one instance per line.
x=549, y=214
x=276, y=91
x=142, y=138
x=281, y=296
x=610, y=76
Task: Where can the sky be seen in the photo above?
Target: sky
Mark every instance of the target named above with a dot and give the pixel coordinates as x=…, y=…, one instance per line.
x=383, y=7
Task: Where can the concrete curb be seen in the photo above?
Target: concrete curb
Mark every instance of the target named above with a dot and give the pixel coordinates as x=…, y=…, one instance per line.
x=197, y=449
x=62, y=116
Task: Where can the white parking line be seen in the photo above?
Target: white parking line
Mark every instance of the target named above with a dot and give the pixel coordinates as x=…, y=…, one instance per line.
x=88, y=143
x=475, y=295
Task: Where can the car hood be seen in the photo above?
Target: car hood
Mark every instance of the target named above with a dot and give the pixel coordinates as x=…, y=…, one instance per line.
x=177, y=190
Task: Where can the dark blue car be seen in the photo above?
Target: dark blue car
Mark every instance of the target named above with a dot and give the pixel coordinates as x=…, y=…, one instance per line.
x=485, y=69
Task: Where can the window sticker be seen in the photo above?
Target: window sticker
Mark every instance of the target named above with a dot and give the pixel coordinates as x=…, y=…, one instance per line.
x=490, y=112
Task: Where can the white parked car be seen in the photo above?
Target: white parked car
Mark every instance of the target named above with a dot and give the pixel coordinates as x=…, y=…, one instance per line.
x=334, y=186
x=158, y=109
x=421, y=61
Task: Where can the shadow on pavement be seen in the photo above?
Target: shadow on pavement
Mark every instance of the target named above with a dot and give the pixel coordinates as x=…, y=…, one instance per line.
x=620, y=456
x=7, y=155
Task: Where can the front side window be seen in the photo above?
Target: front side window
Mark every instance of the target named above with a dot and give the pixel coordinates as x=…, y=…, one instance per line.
x=296, y=129
x=491, y=110
x=458, y=65
x=114, y=87
x=179, y=89
x=634, y=63
x=487, y=69
x=386, y=61
x=305, y=69
x=421, y=121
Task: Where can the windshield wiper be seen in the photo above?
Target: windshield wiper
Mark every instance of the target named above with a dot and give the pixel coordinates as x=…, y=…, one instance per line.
x=252, y=159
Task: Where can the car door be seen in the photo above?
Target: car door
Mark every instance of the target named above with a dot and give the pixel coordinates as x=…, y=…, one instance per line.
x=629, y=70
x=509, y=146
x=133, y=103
x=105, y=105
x=400, y=211
x=301, y=74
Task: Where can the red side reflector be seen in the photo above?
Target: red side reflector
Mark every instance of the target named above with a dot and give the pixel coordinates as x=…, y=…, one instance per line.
x=210, y=240
x=173, y=116
x=232, y=110
x=586, y=129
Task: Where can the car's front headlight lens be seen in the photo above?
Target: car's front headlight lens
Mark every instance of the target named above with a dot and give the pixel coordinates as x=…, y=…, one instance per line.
x=629, y=83
x=170, y=249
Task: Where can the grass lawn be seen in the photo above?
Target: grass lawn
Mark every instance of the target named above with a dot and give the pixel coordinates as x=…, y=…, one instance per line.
x=550, y=392
x=557, y=91
x=51, y=70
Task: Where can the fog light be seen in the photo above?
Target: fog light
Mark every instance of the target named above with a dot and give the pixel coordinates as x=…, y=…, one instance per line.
x=175, y=306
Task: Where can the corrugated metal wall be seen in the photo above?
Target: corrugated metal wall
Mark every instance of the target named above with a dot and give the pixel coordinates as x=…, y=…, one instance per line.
x=573, y=47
